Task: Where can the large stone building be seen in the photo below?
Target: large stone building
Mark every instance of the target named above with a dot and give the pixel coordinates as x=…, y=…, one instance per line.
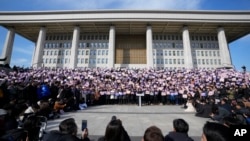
x=127, y=38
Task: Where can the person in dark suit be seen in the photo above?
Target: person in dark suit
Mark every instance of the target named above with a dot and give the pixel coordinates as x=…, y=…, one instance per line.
x=67, y=132
x=180, y=132
x=219, y=113
x=203, y=109
x=226, y=105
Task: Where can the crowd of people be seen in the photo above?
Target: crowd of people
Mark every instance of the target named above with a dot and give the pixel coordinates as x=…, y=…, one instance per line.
x=221, y=94
x=115, y=131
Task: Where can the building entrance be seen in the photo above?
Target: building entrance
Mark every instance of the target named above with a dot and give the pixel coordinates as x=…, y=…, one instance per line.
x=130, y=49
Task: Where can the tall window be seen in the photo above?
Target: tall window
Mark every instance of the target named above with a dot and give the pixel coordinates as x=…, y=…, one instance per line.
x=166, y=61
x=174, y=61
x=170, y=61
x=182, y=53
x=219, y=62
x=202, y=53
x=179, y=62
x=166, y=53
x=218, y=53
x=198, y=53
x=86, y=61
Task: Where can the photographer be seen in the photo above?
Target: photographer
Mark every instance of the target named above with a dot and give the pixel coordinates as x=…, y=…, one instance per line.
x=67, y=132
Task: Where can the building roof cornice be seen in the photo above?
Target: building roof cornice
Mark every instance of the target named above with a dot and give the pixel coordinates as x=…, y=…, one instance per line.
x=27, y=23
x=127, y=11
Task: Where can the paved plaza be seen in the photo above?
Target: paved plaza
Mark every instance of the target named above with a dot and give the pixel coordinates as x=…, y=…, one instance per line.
x=135, y=119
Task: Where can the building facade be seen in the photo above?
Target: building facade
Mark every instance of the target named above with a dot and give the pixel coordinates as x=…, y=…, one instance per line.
x=127, y=38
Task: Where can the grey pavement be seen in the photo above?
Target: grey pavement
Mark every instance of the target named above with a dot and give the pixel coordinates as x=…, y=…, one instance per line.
x=135, y=119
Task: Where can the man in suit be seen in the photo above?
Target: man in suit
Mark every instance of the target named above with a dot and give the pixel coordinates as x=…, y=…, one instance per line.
x=180, y=132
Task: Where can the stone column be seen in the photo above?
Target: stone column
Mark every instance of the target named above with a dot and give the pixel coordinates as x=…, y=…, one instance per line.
x=149, y=40
x=37, y=62
x=187, y=48
x=223, y=46
x=33, y=55
x=8, y=46
x=111, y=56
x=74, y=47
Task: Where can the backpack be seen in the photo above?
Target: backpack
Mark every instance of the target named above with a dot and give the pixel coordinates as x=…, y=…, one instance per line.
x=43, y=92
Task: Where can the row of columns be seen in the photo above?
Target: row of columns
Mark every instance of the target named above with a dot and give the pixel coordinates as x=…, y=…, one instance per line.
x=37, y=58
